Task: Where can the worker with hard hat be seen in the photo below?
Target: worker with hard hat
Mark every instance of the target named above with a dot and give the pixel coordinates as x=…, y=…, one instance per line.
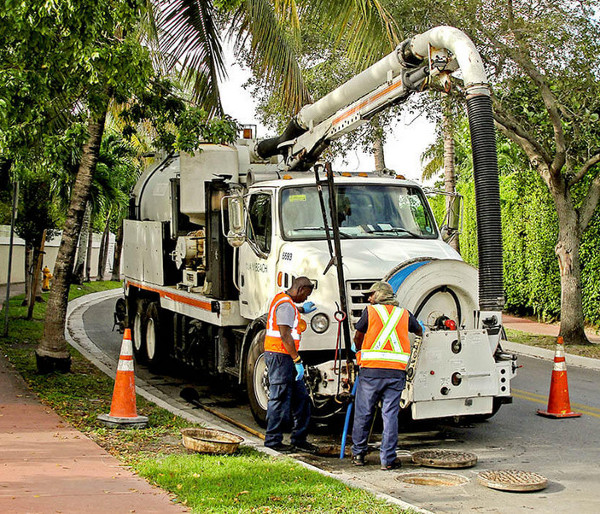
x=288, y=397
x=383, y=351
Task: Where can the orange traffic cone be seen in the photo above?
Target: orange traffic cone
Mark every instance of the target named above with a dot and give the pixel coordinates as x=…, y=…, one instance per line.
x=123, y=409
x=559, y=405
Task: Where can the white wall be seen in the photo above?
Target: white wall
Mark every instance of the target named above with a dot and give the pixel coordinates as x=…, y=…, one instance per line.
x=51, y=249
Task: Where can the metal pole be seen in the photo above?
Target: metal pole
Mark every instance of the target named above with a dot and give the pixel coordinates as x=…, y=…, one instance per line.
x=10, y=252
x=338, y=262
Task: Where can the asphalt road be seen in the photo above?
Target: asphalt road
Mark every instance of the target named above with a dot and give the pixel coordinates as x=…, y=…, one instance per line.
x=566, y=452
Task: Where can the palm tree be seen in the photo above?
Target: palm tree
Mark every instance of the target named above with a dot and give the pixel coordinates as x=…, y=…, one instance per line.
x=116, y=173
x=269, y=31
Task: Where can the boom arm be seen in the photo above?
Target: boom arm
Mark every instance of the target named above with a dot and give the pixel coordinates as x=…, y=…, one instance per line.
x=411, y=67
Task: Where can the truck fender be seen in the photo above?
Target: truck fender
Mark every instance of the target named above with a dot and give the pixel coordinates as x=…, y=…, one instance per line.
x=256, y=325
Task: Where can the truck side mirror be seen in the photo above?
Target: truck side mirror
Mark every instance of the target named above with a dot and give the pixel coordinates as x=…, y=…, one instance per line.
x=236, y=233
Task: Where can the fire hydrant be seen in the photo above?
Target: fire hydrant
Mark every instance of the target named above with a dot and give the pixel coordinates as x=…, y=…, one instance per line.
x=46, y=279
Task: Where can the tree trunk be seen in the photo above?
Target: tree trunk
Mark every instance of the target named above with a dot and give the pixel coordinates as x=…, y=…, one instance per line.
x=378, y=154
x=567, y=251
x=449, y=171
x=83, y=244
x=52, y=353
x=29, y=257
x=103, y=249
x=88, y=257
x=35, y=283
x=116, y=272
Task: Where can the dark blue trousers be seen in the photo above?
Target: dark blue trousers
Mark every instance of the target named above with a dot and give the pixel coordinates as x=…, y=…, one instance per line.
x=288, y=398
x=368, y=393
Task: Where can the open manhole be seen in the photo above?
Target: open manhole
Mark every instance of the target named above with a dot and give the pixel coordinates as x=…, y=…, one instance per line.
x=333, y=450
x=512, y=480
x=432, y=479
x=444, y=459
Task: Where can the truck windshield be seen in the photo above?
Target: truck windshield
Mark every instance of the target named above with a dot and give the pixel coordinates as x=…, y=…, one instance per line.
x=363, y=211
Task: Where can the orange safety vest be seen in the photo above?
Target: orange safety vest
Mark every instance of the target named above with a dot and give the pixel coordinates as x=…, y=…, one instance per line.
x=386, y=344
x=273, y=341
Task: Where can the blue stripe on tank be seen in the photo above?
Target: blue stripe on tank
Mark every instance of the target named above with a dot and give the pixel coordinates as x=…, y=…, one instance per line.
x=397, y=278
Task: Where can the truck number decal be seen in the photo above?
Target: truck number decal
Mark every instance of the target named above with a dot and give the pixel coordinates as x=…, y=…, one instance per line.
x=286, y=256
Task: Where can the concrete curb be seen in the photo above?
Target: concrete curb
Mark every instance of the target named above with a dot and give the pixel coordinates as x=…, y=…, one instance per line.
x=76, y=336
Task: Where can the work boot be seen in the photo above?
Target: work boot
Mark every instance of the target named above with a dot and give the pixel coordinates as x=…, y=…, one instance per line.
x=282, y=448
x=393, y=465
x=358, y=460
x=307, y=447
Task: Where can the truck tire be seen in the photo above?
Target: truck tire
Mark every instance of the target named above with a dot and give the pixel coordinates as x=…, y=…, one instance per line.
x=156, y=347
x=257, y=379
x=138, y=331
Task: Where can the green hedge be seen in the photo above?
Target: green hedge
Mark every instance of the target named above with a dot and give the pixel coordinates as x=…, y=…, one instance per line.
x=529, y=233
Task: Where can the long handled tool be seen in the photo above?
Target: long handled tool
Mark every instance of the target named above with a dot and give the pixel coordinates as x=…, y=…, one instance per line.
x=347, y=422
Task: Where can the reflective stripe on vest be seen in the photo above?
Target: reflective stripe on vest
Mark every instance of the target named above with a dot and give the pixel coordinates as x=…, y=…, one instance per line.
x=386, y=344
x=273, y=341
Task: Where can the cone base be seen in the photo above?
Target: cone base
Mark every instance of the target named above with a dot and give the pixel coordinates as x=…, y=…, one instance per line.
x=558, y=414
x=116, y=422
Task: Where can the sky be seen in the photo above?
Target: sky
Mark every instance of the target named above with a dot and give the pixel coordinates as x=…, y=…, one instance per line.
x=403, y=148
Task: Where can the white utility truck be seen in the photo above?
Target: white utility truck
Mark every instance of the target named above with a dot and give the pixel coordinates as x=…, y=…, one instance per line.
x=211, y=238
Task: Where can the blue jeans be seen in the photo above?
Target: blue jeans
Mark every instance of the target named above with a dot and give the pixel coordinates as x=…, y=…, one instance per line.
x=368, y=393
x=288, y=397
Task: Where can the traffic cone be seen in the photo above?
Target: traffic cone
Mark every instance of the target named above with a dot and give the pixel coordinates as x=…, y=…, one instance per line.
x=559, y=405
x=123, y=412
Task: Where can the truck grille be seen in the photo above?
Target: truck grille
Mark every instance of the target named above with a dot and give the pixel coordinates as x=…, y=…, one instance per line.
x=357, y=301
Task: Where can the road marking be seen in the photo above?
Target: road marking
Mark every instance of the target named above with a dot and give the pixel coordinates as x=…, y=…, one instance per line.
x=538, y=398
x=545, y=398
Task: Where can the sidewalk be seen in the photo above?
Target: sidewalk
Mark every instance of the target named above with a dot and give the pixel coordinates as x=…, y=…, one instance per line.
x=545, y=329
x=48, y=466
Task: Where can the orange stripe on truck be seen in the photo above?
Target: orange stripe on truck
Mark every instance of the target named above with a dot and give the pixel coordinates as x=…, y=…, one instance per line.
x=366, y=102
x=175, y=297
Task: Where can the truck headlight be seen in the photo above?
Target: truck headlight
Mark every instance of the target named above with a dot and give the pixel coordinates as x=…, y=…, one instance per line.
x=319, y=323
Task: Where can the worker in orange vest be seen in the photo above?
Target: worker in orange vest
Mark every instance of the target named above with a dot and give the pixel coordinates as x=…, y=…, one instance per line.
x=383, y=351
x=288, y=396
x=46, y=278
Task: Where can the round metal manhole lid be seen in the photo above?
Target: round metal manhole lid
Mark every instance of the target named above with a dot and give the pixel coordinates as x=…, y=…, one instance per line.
x=512, y=480
x=444, y=458
x=433, y=479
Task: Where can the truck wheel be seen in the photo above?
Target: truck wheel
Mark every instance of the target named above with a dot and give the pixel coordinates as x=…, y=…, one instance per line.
x=139, y=331
x=155, y=344
x=257, y=379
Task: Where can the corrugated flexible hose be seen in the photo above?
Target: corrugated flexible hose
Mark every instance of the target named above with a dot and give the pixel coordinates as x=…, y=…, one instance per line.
x=487, y=191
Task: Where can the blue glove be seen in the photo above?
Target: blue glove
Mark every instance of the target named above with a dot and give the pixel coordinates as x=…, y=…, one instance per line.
x=353, y=347
x=422, y=326
x=299, y=370
x=308, y=307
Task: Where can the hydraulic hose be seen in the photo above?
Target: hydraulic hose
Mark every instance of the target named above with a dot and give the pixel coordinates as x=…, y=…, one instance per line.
x=269, y=147
x=487, y=194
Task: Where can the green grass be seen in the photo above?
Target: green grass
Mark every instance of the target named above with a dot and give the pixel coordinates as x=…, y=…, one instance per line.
x=549, y=342
x=245, y=482
x=253, y=482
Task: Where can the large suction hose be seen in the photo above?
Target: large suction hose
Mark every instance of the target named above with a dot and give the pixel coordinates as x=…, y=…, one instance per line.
x=487, y=199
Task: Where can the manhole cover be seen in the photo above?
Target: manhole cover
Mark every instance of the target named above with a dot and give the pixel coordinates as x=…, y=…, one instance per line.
x=431, y=478
x=512, y=480
x=444, y=458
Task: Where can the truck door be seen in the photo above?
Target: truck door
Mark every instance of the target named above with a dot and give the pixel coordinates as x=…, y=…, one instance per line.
x=257, y=260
